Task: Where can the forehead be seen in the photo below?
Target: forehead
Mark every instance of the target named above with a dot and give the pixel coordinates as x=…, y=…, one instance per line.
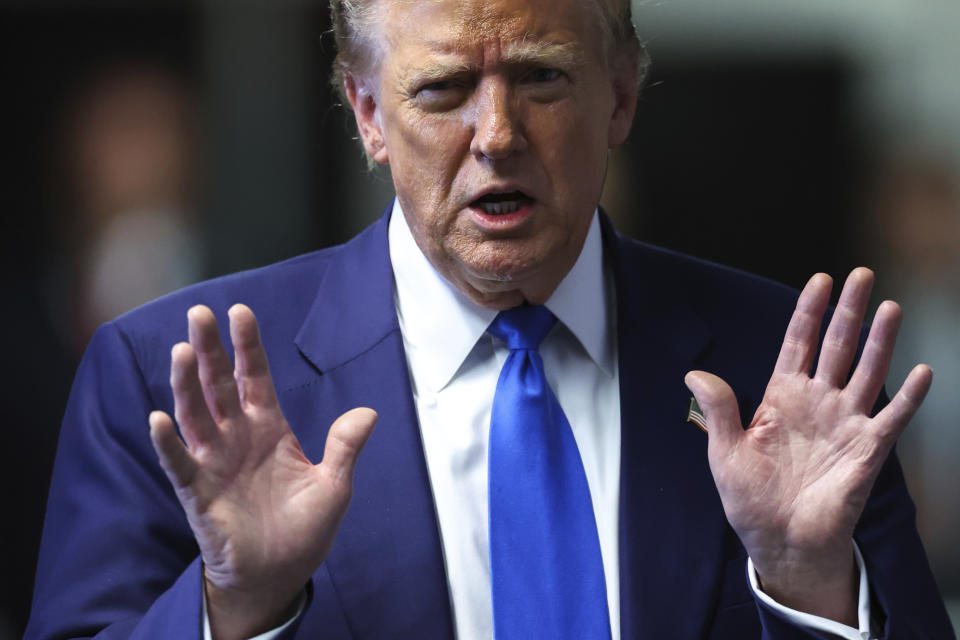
x=467, y=26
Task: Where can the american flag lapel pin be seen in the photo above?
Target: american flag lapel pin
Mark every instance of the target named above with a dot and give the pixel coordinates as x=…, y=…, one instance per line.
x=695, y=415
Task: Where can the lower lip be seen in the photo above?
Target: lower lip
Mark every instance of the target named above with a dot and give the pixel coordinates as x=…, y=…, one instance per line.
x=503, y=222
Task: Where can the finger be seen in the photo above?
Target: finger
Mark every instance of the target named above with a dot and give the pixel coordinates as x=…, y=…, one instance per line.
x=347, y=436
x=843, y=334
x=871, y=371
x=719, y=405
x=216, y=371
x=893, y=419
x=803, y=331
x=251, y=369
x=189, y=405
x=174, y=457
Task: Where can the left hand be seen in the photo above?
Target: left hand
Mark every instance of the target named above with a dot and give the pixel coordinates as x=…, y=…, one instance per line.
x=793, y=485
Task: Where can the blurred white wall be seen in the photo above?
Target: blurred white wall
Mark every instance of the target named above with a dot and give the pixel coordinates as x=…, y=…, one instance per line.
x=905, y=50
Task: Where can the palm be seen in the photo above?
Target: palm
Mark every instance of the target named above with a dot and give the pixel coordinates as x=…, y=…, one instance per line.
x=263, y=515
x=807, y=460
x=257, y=499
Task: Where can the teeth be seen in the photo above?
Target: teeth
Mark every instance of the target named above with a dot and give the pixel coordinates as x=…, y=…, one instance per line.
x=501, y=208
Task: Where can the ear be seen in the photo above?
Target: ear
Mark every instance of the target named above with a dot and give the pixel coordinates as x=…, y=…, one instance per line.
x=366, y=111
x=625, y=75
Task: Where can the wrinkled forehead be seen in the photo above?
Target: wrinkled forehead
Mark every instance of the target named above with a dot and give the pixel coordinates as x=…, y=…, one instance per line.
x=467, y=26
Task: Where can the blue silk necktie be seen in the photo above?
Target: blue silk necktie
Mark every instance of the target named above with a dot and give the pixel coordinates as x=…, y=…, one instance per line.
x=545, y=564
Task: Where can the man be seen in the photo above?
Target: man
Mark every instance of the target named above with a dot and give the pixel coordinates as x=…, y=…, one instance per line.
x=495, y=118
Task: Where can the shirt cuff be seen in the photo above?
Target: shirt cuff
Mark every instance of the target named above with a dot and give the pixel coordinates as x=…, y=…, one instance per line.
x=266, y=635
x=816, y=622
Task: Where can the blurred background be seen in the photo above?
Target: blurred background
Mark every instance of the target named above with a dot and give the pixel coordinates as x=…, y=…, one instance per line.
x=148, y=145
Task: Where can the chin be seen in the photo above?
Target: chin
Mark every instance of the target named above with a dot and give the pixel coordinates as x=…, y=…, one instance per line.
x=499, y=283
x=499, y=264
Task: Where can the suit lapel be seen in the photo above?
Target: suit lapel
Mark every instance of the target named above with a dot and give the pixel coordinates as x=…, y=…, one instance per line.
x=671, y=534
x=386, y=565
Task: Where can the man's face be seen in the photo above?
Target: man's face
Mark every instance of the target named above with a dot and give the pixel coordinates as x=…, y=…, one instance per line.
x=495, y=117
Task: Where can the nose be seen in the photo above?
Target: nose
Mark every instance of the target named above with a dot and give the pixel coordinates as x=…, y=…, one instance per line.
x=498, y=131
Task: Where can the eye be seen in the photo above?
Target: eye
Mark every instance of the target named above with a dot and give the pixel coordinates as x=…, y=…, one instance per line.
x=441, y=95
x=541, y=75
x=440, y=85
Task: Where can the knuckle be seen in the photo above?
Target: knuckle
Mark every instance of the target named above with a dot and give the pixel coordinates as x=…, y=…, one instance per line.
x=793, y=339
x=338, y=480
x=837, y=341
x=906, y=402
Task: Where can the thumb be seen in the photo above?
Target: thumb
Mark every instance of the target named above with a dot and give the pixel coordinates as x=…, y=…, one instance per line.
x=345, y=440
x=719, y=406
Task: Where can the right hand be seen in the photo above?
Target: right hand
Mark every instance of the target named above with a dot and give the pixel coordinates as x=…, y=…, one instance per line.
x=263, y=515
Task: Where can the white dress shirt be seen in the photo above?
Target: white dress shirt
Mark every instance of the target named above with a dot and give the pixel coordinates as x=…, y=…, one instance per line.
x=454, y=366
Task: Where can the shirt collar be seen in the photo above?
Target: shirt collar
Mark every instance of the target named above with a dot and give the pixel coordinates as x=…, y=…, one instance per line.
x=582, y=302
x=441, y=326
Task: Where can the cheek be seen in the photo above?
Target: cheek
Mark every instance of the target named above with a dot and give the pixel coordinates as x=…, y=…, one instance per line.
x=576, y=126
x=573, y=148
x=421, y=133
x=590, y=133
x=428, y=151
x=425, y=157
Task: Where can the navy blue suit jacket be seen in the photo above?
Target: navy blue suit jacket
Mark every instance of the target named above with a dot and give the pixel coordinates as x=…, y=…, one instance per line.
x=119, y=561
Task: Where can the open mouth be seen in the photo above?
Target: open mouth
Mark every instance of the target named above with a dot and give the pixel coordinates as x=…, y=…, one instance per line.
x=501, y=204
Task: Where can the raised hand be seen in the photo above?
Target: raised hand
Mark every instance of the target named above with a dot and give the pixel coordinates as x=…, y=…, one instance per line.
x=263, y=515
x=794, y=484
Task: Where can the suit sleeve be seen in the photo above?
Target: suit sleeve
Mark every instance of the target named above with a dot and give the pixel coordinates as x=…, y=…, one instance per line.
x=117, y=557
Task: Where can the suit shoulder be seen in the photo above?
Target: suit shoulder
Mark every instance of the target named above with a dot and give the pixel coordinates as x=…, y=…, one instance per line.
x=703, y=280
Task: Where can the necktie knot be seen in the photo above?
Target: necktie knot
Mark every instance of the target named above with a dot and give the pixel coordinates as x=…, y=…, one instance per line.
x=523, y=327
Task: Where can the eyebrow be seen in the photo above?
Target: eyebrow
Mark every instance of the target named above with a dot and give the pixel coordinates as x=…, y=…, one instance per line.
x=519, y=52
x=434, y=71
x=550, y=54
